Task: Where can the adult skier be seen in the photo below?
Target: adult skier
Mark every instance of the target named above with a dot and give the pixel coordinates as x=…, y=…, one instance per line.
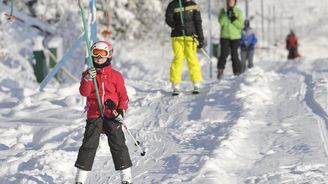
x=111, y=87
x=247, y=44
x=232, y=22
x=292, y=45
x=183, y=16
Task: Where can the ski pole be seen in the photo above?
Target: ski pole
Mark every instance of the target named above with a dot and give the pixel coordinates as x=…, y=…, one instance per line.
x=89, y=60
x=207, y=56
x=112, y=106
x=135, y=141
x=203, y=50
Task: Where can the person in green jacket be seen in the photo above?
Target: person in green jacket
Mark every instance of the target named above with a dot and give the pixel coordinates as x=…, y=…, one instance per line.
x=231, y=21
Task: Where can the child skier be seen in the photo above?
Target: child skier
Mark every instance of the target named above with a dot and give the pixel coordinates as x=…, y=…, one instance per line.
x=111, y=87
x=247, y=45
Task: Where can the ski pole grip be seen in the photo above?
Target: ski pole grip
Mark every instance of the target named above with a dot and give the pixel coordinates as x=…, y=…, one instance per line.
x=110, y=104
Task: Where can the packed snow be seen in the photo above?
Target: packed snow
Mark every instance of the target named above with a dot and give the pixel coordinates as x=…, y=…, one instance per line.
x=268, y=125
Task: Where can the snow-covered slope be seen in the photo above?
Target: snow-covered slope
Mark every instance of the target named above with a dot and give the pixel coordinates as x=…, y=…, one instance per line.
x=266, y=126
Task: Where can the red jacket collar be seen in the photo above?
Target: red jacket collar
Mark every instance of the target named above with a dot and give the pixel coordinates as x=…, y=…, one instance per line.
x=106, y=69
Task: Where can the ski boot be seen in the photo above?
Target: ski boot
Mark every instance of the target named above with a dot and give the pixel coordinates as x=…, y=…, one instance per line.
x=126, y=176
x=220, y=74
x=81, y=176
x=196, y=89
x=176, y=89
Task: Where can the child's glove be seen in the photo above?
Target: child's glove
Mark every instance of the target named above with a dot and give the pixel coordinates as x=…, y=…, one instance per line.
x=92, y=73
x=119, y=117
x=243, y=47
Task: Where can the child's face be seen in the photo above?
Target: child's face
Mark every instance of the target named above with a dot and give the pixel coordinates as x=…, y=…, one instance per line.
x=100, y=60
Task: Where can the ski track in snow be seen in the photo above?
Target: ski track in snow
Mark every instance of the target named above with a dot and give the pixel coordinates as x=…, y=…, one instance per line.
x=235, y=145
x=309, y=171
x=181, y=146
x=267, y=126
x=194, y=138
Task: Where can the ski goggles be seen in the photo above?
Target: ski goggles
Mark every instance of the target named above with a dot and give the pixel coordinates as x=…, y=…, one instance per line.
x=100, y=53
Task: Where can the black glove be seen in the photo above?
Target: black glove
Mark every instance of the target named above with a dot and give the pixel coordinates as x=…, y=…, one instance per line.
x=119, y=117
x=200, y=44
x=231, y=15
x=118, y=114
x=92, y=73
x=243, y=46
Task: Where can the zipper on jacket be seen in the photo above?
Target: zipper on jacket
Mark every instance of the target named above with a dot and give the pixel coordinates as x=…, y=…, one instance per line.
x=103, y=95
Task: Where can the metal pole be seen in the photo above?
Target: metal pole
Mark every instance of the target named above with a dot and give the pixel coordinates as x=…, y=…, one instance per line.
x=269, y=25
x=280, y=27
x=209, y=42
x=93, y=22
x=274, y=24
x=181, y=9
x=262, y=17
x=246, y=8
x=89, y=59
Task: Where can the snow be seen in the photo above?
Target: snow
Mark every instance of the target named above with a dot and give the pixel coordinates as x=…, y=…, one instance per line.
x=268, y=125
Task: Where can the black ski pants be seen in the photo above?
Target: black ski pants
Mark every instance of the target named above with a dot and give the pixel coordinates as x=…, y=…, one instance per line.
x=229, y=46
x=116, y=142
x=292, y=53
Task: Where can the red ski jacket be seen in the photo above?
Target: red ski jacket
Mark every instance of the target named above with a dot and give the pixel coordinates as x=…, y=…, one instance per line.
x=110, y=86
x=291, y=41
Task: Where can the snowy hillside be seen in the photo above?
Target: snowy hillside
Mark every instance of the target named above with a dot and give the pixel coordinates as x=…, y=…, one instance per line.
x=268, y=125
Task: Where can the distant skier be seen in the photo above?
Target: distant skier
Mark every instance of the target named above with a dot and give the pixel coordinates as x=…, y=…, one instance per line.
x=186, y=24
x=292, y=45
x=247, y=44
x=111, y=86
x=232, y=22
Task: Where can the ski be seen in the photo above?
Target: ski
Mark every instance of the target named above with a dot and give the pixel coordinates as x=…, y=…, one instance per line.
x=192, y=92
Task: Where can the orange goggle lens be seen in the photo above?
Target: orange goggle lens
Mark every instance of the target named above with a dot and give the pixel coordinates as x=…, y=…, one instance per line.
x=100, y=53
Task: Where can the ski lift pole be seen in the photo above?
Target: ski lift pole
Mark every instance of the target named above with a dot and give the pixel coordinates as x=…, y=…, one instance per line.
x=12, y=8
x=93, y=20
x=209, y=43
x=181, y=17
x=89, y=60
